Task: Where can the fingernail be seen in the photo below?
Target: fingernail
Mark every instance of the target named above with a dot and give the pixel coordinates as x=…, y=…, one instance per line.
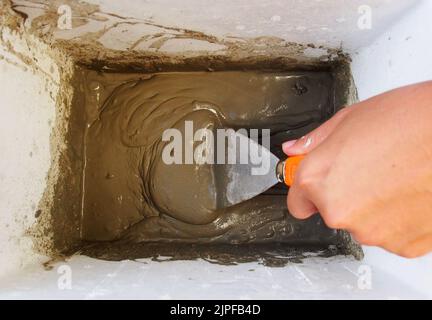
x=308, y=142
x=288, y=144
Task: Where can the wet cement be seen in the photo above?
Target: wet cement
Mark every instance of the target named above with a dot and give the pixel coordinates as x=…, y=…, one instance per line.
x=131, y=196
x=267, y=254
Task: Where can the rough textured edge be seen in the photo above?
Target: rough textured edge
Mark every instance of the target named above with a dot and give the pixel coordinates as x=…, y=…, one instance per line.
x=237, y=53
x=267, y=254
x=277, y=55
x=345, y=86
x=45, y=240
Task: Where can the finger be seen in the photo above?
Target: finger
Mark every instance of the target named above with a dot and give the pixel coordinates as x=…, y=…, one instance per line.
x=416, y=248
x=298, y=203
x=314, y=138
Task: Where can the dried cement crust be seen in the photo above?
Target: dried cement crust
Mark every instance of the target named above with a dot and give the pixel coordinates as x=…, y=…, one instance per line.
x=54, y=230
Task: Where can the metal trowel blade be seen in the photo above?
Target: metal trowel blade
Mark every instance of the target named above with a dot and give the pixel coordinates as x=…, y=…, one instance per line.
x=244, y=181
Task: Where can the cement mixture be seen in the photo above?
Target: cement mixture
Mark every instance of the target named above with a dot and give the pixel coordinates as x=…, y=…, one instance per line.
x=131, y=196
x=126, y=181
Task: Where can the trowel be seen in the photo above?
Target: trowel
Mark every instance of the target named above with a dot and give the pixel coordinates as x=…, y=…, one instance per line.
x=241, y=182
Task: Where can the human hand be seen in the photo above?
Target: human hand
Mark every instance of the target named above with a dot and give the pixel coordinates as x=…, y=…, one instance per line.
x=368, y=170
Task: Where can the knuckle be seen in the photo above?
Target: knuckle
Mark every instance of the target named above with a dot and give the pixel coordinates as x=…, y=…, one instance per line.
x=365, y=238
x=304, y=179
x=342, y=112
x=333, y=220
x=333, y=214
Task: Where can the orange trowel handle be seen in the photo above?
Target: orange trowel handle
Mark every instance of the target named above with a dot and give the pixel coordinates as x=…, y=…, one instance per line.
x=287, y=169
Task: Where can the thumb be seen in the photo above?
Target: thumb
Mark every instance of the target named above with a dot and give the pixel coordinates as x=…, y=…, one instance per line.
x=314, y=138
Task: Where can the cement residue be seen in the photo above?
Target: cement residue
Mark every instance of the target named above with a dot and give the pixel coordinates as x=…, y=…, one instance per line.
x=56, y=228
x=270, y=255
x=127, y=182
x=143, y=49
